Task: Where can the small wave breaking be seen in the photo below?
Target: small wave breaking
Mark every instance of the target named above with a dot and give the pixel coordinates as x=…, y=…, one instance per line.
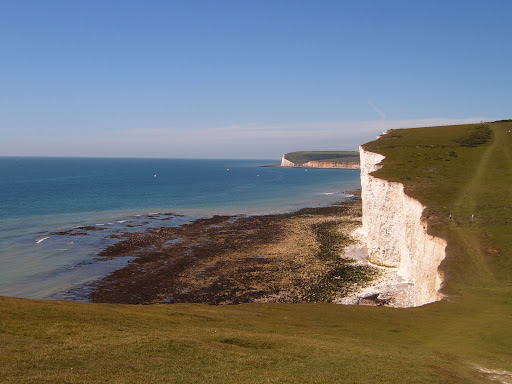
x=41, y=240
x=343, y=194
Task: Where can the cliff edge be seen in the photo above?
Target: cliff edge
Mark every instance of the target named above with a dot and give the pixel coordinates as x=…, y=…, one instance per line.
x=396, y=236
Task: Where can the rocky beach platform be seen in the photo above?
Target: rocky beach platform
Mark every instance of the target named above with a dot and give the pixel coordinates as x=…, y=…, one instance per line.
x=292, y=257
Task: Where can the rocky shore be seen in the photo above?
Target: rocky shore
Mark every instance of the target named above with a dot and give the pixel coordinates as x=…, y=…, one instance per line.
x=292, y=257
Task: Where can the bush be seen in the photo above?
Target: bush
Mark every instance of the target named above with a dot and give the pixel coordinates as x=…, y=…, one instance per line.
x=479, y=135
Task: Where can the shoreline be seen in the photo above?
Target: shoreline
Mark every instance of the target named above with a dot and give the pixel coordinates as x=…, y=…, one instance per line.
x=285, y=257
x=71, y=263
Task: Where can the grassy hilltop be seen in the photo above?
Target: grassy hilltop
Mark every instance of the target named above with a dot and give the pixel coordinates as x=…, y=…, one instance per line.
x=467, y=338
x=460, y=171
x=302, y=157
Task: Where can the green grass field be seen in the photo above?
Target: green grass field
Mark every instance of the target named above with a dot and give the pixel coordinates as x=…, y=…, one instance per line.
x=302, y=157
x=452, y=170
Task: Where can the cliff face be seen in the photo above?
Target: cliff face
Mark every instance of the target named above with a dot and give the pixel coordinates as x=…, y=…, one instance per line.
x=330, y=164
x=319, y=164
x=286, y=163
x=396, y=234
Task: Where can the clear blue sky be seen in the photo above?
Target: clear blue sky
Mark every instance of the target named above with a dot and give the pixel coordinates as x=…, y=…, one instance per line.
x=243, y=79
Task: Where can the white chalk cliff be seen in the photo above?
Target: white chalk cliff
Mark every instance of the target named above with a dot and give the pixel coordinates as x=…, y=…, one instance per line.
x=319, y=164
x=396, y=236
x=287, y=163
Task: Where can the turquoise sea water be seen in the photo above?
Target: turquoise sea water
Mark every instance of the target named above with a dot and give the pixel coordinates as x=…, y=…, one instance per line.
x=40, y=198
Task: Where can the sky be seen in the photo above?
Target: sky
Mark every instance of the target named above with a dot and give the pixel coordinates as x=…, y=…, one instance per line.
x=243, y=79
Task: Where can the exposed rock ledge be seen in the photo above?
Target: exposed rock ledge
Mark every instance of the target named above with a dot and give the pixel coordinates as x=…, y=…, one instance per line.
x=395, y=235
x=320, y=164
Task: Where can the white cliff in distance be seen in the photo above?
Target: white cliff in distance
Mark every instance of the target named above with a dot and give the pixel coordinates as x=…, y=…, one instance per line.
x=319, y=164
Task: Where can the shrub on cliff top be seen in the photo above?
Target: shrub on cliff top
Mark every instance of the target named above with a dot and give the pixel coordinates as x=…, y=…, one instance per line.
x=479, y=135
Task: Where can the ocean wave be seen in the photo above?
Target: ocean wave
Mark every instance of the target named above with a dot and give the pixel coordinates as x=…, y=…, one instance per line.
x=343, y=194
x=41, y=240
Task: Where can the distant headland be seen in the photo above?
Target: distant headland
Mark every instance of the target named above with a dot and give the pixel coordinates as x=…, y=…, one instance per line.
x=321, y=159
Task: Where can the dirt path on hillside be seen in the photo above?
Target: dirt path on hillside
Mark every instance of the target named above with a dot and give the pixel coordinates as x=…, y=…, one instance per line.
x=477, y=196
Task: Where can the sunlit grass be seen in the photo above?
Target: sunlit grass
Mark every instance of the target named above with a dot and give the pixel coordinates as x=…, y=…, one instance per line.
x=302, y=157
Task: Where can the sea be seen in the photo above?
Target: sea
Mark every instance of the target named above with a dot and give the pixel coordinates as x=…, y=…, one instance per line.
x=57, y=214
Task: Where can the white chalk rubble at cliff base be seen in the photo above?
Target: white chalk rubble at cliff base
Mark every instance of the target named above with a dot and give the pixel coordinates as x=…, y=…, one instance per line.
x=394, y=238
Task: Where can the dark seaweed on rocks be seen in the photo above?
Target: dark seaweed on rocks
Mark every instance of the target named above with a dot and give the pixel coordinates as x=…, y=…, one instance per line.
x=78, y=231
x=290, y=257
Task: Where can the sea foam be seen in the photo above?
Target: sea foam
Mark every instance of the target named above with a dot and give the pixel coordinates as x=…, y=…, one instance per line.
x=41, y=240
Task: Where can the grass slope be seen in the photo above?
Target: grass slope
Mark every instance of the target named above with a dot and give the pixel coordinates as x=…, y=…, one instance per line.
x=444, y=342
x=454, y=172
x=302, y=157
